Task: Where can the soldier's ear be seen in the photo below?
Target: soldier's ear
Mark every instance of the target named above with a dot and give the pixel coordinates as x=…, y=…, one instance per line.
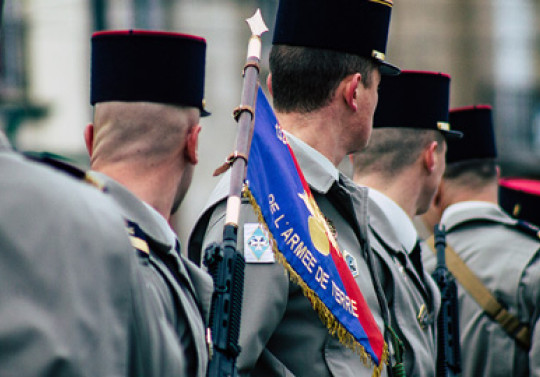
x=350, y=90
x=89, y=138
x=192, y=144
x=430, y=157
x=269, y=84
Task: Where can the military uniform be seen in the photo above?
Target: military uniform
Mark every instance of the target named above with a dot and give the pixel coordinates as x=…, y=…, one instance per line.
x=413, y=297
x=72, y=300
x=281, y=335
x=183, y=291
x=505, y=259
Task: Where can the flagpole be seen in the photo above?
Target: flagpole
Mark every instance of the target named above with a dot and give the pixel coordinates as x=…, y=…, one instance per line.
x=225, y=264
x=244, y=115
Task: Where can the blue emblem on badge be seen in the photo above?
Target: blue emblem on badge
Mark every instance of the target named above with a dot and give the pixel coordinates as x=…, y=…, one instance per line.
x=258, y=243
x=351, y=263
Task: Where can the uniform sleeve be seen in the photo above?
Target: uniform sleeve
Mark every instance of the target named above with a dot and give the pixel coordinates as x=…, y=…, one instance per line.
x=265, y=292
x=530, y=305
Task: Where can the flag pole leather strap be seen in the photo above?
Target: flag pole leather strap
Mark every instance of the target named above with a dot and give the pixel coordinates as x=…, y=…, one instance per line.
x=483, y=297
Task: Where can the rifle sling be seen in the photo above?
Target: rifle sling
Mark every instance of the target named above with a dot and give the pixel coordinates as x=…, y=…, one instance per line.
x=483, y=297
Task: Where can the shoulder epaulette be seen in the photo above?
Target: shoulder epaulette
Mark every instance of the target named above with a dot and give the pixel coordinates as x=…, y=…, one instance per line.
x=57, y=162
x=528, y=228
x=137, y=238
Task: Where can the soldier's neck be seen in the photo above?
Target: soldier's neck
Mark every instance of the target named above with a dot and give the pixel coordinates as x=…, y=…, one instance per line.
x=487, y=193
x=319, y=129
x=156, y=185
x=404, y=192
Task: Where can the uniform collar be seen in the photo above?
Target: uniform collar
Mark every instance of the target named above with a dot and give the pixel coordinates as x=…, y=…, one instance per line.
x=398, y=219
x=163, y=223
x=318, y=171
x=134, y=209
x=461, y=212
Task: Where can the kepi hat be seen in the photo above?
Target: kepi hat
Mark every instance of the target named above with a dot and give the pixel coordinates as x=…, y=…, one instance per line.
x=520, y=197
x=415, y=99
x=150, y=66
x=358, y=27
x=476, y=123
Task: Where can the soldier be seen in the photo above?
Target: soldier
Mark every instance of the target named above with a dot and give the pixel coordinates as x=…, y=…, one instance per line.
x=72, y=300
x=520, y=198
x=500, y=254
x=402, y=166
x=147, y=92
x=326, y=62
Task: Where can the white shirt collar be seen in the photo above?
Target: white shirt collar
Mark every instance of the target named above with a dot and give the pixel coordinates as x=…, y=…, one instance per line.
x=324, y=162
x=163, y=223
x=466, y=205
x=398, y=219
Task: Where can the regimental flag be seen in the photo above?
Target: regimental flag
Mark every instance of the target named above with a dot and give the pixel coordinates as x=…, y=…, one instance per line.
x=302, y=241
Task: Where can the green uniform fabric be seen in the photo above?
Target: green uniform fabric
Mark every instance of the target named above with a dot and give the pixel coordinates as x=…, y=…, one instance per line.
x=506, y=261
x=407, y=291
x=72, y=300
x=281, y=335
x=183, y=290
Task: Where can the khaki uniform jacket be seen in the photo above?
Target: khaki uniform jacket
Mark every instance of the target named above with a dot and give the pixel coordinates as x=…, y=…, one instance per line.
x=281, y=335
x=183, y=290
x=406, y=293
x=506, y=260
x=72, y=300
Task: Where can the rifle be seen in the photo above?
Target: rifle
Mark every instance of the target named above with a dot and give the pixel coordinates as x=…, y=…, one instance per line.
x=448, y=347
x=225, y=264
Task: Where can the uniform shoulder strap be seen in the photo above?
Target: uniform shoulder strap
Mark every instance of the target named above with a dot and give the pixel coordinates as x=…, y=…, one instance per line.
x=483, y=297
x=137, y=238
x=528, y=228
x=58, y=163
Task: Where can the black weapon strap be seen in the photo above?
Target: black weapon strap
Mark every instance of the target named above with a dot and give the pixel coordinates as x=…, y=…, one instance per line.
x=483, y=297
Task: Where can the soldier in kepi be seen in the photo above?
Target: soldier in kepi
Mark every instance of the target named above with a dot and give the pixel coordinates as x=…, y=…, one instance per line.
x=326, y=63
x=147, y=92
x=402, y=166
x=493, y=257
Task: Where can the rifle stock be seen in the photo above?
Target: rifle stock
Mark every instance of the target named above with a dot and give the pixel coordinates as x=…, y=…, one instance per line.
x=226, y=266
x=448, y=347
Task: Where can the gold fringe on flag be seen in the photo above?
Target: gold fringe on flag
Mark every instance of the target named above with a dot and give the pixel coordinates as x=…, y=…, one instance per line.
x=335, y=328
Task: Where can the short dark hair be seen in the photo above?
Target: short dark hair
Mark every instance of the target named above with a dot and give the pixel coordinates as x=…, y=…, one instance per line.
x=474, y=173
x=391, y=149
x=305, y=79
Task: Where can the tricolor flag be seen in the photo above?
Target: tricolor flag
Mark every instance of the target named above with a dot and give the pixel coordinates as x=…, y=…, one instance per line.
x=303, y=242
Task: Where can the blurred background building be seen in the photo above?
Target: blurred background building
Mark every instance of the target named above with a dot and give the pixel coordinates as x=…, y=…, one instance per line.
x=489, y=47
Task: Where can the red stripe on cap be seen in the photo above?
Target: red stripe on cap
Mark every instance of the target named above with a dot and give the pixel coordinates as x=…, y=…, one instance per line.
x=426, y=73
x=474, y=107
x=530, y=186
x=148, y=32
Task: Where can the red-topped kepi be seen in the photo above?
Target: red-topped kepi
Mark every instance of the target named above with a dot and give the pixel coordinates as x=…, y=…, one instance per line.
x=150, y=66
x=520, y=197
x=415, y=99
x=357, y=27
